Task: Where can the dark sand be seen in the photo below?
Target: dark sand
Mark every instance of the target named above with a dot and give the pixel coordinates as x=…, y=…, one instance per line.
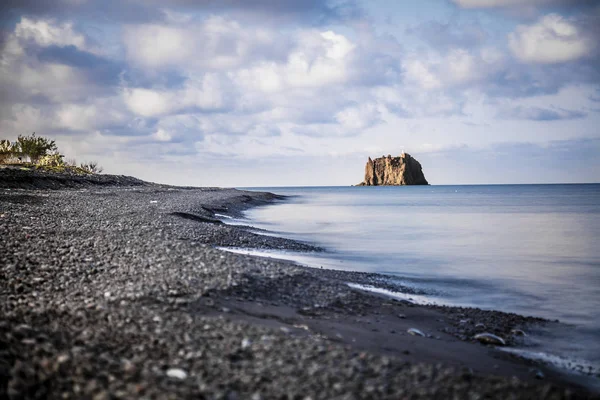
x=112, y=288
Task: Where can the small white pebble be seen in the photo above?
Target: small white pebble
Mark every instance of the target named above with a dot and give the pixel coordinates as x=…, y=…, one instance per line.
x=107, y=294
x=62, y=358
x=246, y=343
x=176, y=373
x=153, y=201
x=415, y=332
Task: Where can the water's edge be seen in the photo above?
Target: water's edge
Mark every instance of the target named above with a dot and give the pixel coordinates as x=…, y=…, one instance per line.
x=572, y=365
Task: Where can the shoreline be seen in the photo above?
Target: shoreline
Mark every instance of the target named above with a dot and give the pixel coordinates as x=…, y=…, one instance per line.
x=143, y=257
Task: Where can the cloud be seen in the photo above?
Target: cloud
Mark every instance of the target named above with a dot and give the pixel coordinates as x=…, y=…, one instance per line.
x=358, y=118
x=539, y=113
x=48, y=32
x=449, y=34
x=98, y=69
x=135, y=11
x=553, y=39
x=314, y=10
x=163, y=136
x=215, y=43
x=554, y=161
x=317, y=59
x=457, y=67
x=521, y=3
x=197, y=95
x=49, y=61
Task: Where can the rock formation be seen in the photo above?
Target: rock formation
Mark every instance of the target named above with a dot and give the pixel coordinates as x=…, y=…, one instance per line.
x=403, y=170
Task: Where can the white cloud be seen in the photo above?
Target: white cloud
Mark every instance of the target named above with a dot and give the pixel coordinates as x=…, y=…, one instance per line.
x=156, y=45
x=318, y=59
x=455, y=68
x=163, y=136
x=100, y=114
x=198, y=94
x=358, y=118
x=216, y=43
x=49, y=32
x=148, y=103
x=419, y=72
x=55, y=81
x=553, y=39
x=205, y=93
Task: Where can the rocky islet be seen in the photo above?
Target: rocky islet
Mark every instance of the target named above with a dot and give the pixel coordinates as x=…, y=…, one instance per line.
x=393, y=171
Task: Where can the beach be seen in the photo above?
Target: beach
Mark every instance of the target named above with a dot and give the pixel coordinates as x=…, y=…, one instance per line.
x=113, y=288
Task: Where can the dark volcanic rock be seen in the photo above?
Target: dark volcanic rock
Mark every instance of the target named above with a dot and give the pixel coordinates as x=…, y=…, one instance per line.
x=25, y=178
x=393, y=171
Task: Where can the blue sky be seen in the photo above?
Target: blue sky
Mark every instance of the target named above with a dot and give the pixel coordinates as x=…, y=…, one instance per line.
x=266, y=92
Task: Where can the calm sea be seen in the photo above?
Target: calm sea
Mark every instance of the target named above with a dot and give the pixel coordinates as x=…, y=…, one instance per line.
x=529, y=249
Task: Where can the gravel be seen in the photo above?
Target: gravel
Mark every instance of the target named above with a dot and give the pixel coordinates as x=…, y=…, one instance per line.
x=100, y=294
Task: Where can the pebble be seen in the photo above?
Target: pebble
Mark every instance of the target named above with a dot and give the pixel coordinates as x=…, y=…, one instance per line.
x=539, y=374
x=490, y=338
x=177, y=373
x=415, y=332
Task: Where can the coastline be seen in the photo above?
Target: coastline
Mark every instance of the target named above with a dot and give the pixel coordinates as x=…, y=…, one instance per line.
x=121, y=282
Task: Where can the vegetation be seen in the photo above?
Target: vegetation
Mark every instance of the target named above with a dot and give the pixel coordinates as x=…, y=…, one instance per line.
x=35, y=147
x=6, y=150
x=92, y=167
x=51, y=160
x=41, y=153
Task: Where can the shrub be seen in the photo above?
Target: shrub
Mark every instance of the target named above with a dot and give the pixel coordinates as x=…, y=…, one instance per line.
x=7, y=150
x=34, y=146
x=92, y=167
x=51, y=160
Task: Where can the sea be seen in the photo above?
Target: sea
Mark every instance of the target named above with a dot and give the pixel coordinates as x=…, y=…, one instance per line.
x=528, y=249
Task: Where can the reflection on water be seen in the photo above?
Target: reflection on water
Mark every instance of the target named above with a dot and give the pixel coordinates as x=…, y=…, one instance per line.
x=530, y=249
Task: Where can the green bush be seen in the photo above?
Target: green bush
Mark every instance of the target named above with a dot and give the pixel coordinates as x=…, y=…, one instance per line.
x=35, y=146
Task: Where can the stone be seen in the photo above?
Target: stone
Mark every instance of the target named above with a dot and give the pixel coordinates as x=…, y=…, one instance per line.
x=415, y=332
x=393, y=171
x=177, y=373
x=539, y=374
x=490, y=338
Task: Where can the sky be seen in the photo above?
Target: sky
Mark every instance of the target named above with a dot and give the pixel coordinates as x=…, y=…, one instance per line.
x=291, y=93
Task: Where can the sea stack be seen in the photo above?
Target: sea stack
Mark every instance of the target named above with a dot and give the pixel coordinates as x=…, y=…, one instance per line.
x=393, y=171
